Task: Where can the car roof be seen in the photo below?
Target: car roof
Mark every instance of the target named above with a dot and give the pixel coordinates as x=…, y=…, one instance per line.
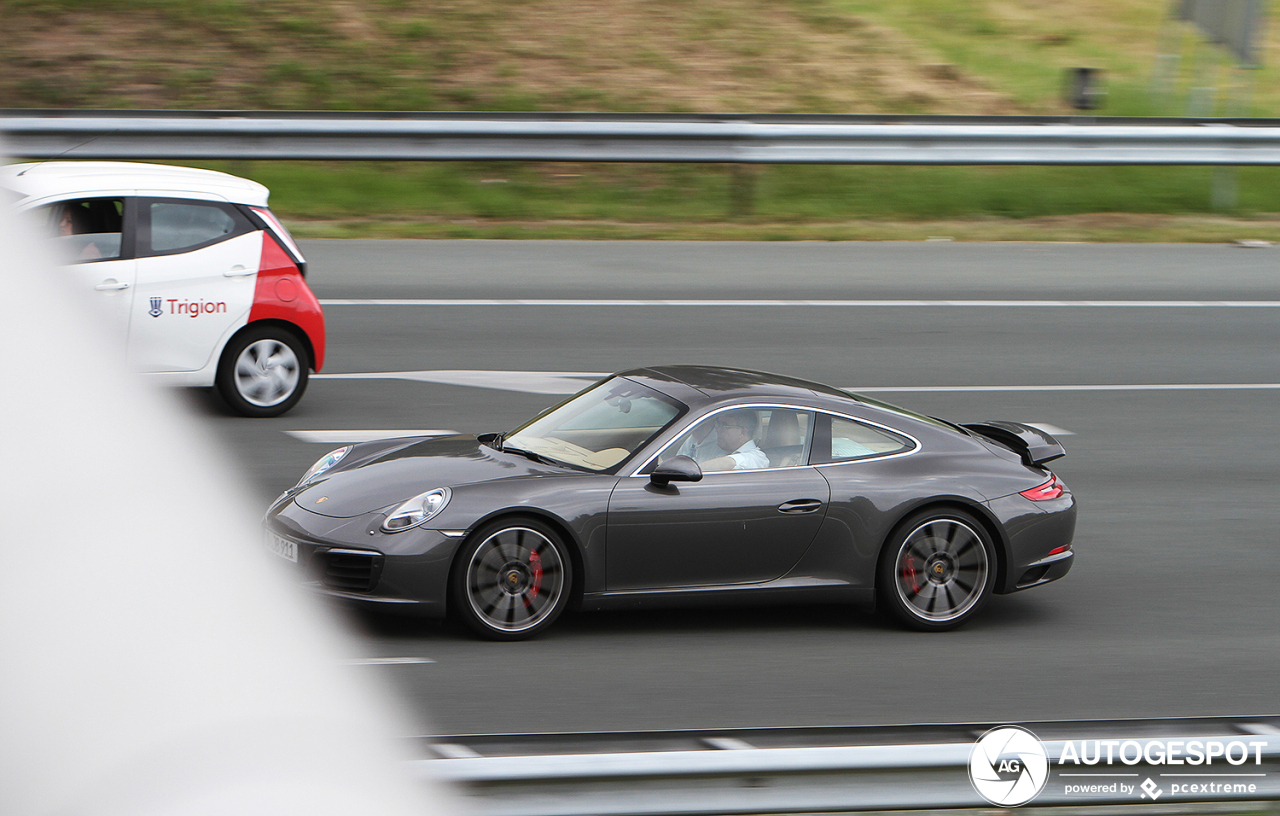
x=45, y=179
x=703, y=386
x=730, y=383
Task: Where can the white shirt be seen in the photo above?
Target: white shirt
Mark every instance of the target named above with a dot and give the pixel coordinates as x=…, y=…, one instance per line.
x=749, y=457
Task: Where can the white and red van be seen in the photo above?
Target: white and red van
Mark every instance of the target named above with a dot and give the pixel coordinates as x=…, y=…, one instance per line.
x=191, y=269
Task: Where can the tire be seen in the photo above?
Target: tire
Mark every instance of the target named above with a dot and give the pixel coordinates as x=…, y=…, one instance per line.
x=511, y=579
x=263, y=372
x=936, y=570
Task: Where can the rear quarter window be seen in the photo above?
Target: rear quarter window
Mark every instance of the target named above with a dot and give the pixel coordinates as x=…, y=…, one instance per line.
x=842, y=440
x=177, y=225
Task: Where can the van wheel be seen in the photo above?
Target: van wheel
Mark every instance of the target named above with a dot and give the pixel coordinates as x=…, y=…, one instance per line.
x=263, y=372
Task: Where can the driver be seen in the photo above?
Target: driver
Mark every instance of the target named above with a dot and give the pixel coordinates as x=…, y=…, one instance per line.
x=74, y=220
x=735, y=434
x=701, y=445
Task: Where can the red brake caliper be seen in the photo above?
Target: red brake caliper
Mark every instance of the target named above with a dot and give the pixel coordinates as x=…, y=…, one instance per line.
x=535, y=561
x=909, y=573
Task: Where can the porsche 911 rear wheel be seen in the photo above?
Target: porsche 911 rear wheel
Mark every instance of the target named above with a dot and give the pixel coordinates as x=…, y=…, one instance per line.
x=511, y=579
x=938, y=569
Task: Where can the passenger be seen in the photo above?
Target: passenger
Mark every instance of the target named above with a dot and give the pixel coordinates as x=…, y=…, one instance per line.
x=735, y=433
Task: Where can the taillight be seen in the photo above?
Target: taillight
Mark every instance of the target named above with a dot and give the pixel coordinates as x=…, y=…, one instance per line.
x=285, y=238
x=1051, y=489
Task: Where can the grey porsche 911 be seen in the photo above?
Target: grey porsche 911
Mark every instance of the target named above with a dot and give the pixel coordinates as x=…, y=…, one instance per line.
x=682, y=484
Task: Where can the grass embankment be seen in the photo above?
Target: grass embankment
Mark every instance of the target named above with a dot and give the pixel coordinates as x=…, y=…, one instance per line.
x=821, y=56
x=695, y=202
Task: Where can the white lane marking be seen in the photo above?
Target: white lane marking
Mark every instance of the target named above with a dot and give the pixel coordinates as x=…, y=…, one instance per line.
x=570, y=382
x=1130, y=387
x=1013, y=304
x=339, y=437
x=529, y=382
x=387, y=661
x=1052, y=430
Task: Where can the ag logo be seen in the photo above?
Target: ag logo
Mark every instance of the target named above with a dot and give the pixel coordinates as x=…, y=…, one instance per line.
x=1008, y=766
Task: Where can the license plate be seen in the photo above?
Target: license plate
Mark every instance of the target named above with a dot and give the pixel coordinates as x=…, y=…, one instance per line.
x=283, y=547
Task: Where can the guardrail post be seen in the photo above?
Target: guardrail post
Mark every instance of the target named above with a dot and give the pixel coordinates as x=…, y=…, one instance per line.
x=1083, y=89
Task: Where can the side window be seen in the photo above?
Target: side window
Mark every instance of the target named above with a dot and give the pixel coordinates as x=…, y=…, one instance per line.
x=745, y=439
x=87, y=229
x=181, y=226
x=843, y=440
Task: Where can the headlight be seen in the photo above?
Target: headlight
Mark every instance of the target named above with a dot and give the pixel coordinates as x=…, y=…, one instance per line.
x=417, y=510
x=326, y=462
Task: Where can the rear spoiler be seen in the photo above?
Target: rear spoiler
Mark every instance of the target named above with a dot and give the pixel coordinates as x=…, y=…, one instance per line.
x=1034, y=445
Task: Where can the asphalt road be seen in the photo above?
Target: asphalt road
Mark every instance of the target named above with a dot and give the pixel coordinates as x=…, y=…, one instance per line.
x=1172, y=608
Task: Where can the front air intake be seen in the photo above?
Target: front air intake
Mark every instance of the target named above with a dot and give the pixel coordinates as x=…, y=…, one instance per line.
x=349, y=570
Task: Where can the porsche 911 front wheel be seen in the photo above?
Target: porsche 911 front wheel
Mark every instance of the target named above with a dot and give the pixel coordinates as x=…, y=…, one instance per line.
x=937, y=570
x=511, y=579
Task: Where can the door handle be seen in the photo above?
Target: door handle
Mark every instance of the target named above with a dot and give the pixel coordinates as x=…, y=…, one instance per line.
x=237, y=271
x=110, y=285
x=800, y=506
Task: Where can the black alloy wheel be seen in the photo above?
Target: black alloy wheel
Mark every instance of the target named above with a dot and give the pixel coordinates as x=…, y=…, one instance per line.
x=937, y=570
x=510, y=579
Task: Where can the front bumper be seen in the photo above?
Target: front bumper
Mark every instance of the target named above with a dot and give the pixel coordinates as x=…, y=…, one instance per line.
x=354, y=561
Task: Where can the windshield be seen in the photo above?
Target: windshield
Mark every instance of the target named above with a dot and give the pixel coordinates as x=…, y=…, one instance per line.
x=598, y=429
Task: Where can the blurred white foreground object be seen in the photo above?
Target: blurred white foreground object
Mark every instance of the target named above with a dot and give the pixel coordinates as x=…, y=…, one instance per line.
x=153, y=659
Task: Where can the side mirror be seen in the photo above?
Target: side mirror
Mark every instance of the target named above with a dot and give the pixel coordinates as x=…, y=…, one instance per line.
x=676, y=469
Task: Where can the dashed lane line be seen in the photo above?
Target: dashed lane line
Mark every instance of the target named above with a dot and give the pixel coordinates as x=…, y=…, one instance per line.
x=570, y=382
x=528, y=382
x=340, y=437
x=1052, y=430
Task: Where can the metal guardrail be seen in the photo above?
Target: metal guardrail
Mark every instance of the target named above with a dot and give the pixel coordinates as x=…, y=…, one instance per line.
x=758, y=139
x=815, y=770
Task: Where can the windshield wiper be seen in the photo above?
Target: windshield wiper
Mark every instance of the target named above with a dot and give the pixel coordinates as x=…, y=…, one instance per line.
x=528, y=454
